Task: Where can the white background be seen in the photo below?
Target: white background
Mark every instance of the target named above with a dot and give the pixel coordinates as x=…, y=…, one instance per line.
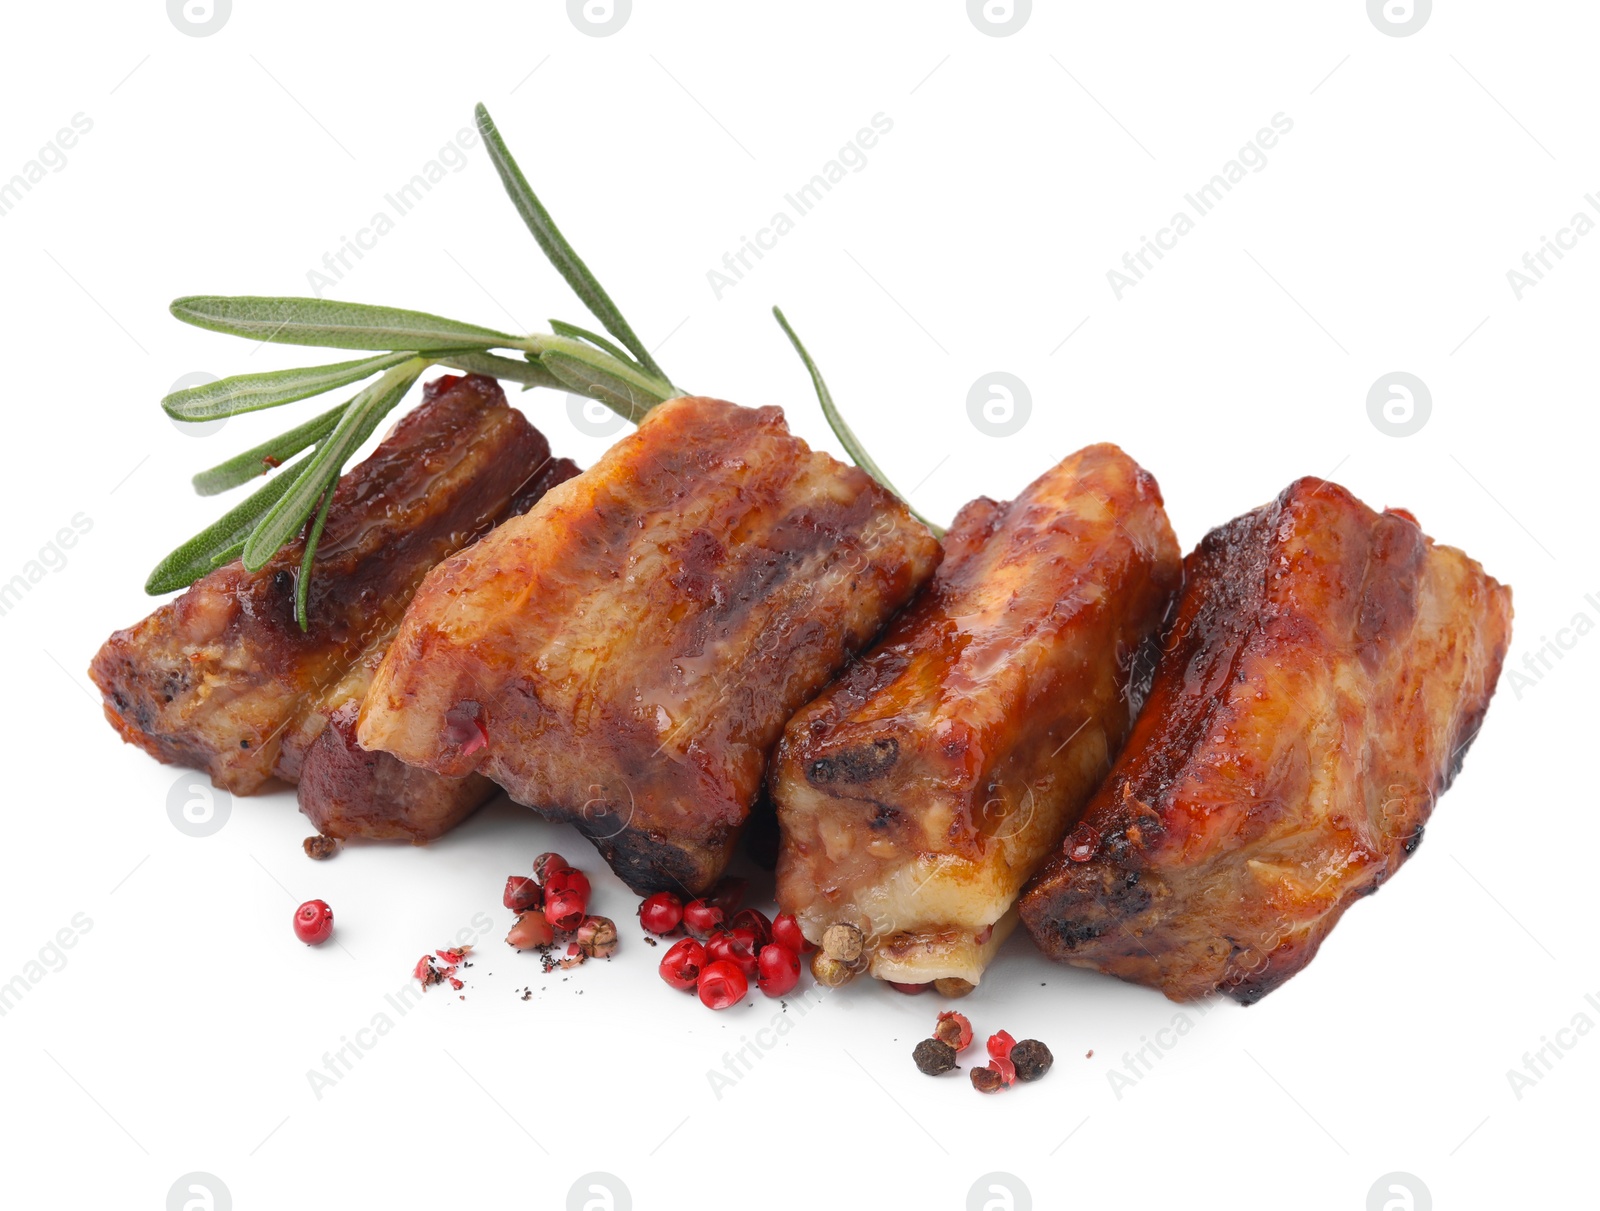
x=178, y=1034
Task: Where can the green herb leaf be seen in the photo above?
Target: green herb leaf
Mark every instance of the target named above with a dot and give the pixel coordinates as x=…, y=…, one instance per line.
x=562, y=328
x=529, y=373
x=629, y=399
x=335, y=325
x=284, y=519
x=253, y=392
x=254, y=463
x=847, y=438
x=555, y=246
x=302, y=586
x=223, y=539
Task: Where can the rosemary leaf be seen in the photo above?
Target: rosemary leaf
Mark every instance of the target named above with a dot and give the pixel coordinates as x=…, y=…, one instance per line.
x=528, y=373
x=253, y=463
x=335, y=325
x=627, y=398
x=223, y=539
x=562, y=328
x=284, y=519
x=555, y=246
x=303, y=586
x=847, y=438
x=252, y=392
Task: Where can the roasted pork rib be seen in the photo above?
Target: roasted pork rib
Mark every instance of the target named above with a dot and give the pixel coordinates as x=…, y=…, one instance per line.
x=348, y=792
x=1322, y=677
x=223, y=679
x=625, y=655
x=920, y=791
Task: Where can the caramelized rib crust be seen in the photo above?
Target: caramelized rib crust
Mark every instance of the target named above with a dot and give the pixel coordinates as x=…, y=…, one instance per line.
x=348, y=792
x=625, y=655
x=917, y=795
x=223, y=679
x=1322, y=677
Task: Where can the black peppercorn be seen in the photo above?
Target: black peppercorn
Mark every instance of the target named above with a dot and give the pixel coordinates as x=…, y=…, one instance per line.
x=934, y=1056
x=1032, y=1059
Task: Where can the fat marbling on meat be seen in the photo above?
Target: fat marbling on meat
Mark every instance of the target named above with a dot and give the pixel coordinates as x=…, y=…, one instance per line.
x=917, y=795
x=625, y=655
x=1320, y=681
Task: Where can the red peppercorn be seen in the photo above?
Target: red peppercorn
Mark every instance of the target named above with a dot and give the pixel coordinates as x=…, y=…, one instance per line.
x=567, y=880
x=786, y=932
x=721, y=984
x=681, y=965
x=736, y=946
x=756, y=922
x=702, y=917
x=531, y=931
x=954, y=1028
x=779, y=969
x=313, y=922
x=661, y=913
x=522, y=894
x=1000, y=1045
x=545, y=864
x=565, y=909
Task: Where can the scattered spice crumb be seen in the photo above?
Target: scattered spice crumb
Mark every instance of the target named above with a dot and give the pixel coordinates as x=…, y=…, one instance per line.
x=1089, y=1055
x=320, y=847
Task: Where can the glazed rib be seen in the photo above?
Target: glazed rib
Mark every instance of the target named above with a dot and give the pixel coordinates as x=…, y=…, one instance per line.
x=625, y=655
x=348, y=792
x=223, y=679
x=920, y=791
x=1322, y=677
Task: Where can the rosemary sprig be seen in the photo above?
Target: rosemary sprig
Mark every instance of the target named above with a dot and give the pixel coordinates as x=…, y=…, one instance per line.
x=847, y=438
x=623, y=376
